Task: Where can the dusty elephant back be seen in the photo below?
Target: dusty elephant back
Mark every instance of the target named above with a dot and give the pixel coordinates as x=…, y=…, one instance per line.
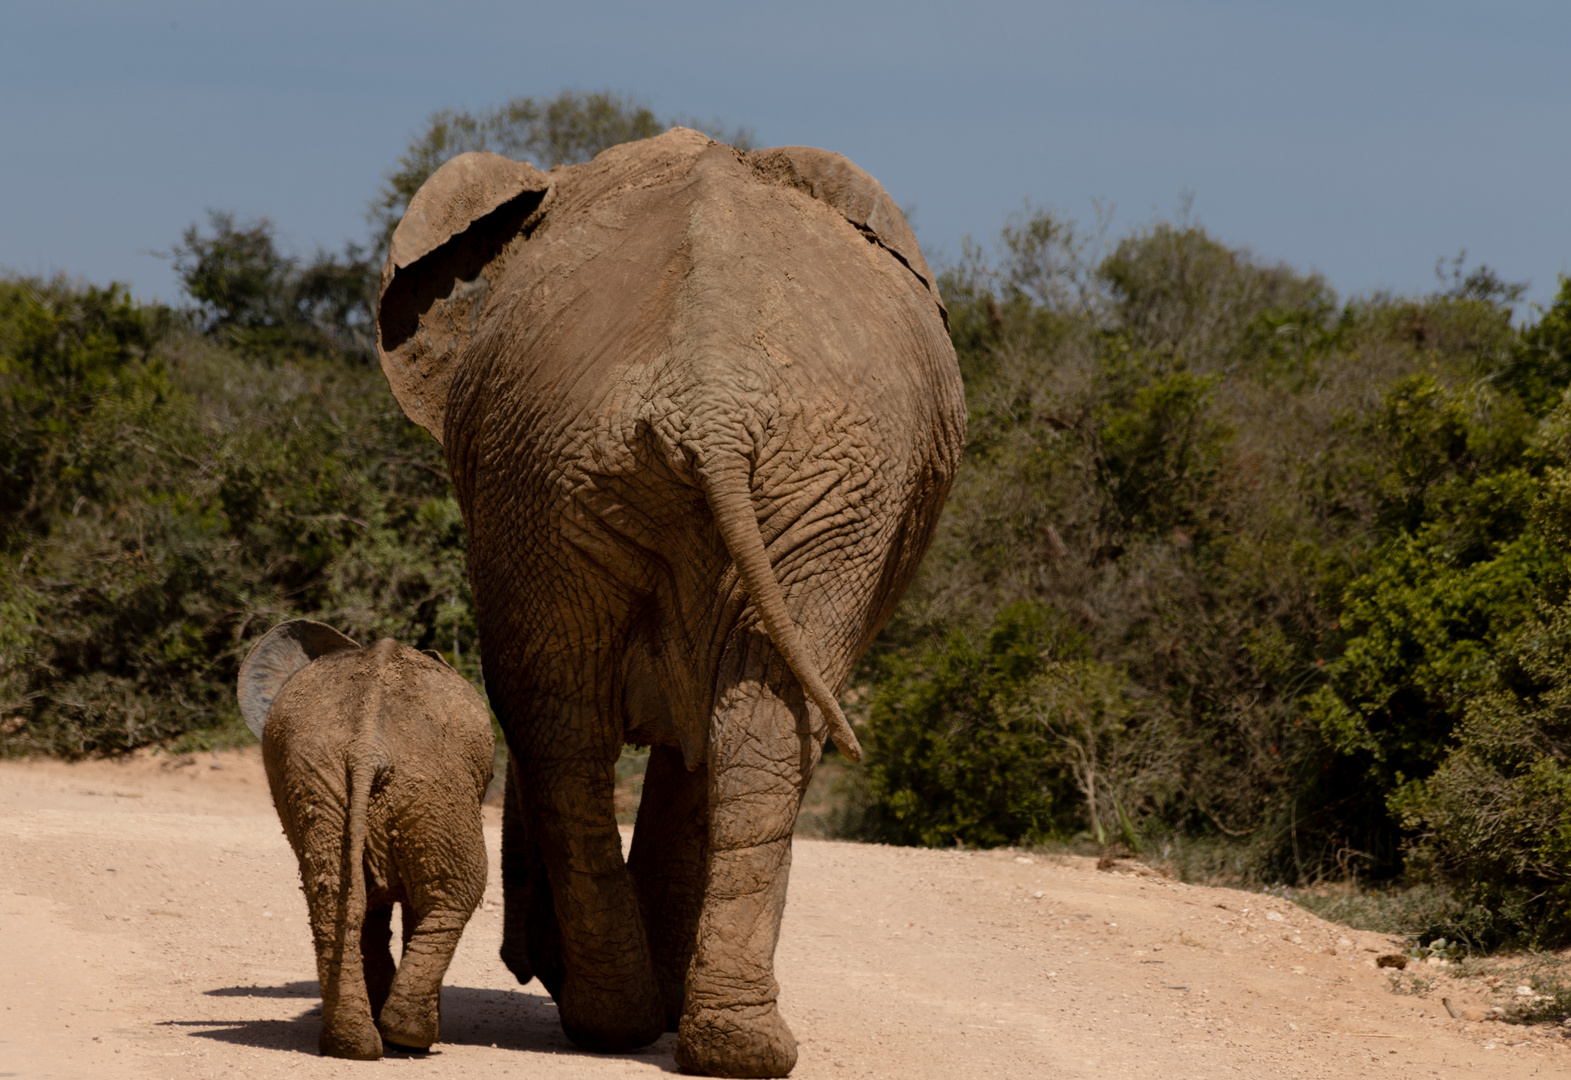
x=731, y=270
x=418, y=705
x=480, y=216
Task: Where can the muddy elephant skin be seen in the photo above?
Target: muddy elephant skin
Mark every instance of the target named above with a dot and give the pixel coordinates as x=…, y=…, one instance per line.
x=701, y=412
x=377, y=759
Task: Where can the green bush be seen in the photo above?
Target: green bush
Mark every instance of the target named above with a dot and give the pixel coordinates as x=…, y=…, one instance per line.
x=1297, y=533
x=1495, y=816
x=168, y=500
x=1020, y=739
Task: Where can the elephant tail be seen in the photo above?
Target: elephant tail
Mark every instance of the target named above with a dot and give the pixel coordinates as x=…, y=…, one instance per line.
x=362, y=773
x=728, y=490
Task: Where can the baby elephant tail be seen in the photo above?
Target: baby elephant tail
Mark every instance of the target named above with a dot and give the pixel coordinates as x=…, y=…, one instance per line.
x=363, y=768
x=348, y=1027
x=729, y=493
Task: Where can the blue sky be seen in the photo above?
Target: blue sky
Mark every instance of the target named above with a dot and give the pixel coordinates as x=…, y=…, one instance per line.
x=1363, y=140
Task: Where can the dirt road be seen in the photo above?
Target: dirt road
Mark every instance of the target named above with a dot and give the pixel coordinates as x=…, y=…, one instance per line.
x=151, y=925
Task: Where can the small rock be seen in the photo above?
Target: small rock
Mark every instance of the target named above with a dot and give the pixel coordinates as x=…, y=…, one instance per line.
x=1038, y=895
x=1275, y=916
x=1524, y=991
x=1024, y=860
x=1158, y=948
x=1391, y=960
x=1345, y=944
x=1300, y=970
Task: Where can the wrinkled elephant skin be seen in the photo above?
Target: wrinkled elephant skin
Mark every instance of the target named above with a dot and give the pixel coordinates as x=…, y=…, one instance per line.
x=701, y=412
x=377, y=759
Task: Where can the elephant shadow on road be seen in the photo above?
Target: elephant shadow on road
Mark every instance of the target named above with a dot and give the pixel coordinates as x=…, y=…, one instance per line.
x=504, y=1019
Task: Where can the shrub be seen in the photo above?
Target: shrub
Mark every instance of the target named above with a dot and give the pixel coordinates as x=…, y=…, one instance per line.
x=168, y=500
x=1495, y=816
x=1019, y=739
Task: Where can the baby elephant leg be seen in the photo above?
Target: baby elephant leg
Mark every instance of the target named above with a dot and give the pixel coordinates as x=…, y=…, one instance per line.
x=376, y=953
x=411, y=1016
x=434, y=920
x=348, y=1029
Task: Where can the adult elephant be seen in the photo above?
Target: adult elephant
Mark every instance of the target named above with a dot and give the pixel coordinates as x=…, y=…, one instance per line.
x=701, y=412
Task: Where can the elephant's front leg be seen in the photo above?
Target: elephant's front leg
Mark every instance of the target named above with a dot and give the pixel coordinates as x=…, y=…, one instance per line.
x=761, y=756
x=607, y=1000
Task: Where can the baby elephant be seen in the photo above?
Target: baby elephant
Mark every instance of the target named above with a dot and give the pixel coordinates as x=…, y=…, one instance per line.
x=377, y=759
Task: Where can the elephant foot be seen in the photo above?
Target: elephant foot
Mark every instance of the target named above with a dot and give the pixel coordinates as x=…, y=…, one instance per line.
x=744, y=1041
x=404, y=1051
x=410, y=1026
x=610, y=1025
x=357, y=1042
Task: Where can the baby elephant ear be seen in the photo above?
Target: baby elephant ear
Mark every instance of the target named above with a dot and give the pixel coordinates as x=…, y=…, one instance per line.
x=837, y=182
x=445, y=255
x=281, y=652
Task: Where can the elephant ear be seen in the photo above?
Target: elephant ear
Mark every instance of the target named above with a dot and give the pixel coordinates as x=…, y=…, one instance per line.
x=445, y=255
x=837, y=182
x=281, y=652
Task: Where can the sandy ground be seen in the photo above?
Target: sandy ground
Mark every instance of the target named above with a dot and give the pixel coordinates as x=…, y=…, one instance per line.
x=151, y=925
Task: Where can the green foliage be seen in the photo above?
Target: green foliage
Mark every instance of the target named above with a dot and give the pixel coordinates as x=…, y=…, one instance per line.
x=1295, y=536
x=565, y=130
x=954, y=758
x=254, y=297
x=1159, y=452
x=1020, y=739
x=167, y=501
x=1496, y=814
x=63, y=350
x=1540, y=363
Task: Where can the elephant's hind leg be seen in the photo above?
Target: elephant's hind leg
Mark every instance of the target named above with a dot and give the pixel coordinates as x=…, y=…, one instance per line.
x=435, y=914
x=761, y=756
x=667, y=863
x=607, y=999
x=412, y=1015
x=531, y=939
x=348, y=1029
x=376, y=939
